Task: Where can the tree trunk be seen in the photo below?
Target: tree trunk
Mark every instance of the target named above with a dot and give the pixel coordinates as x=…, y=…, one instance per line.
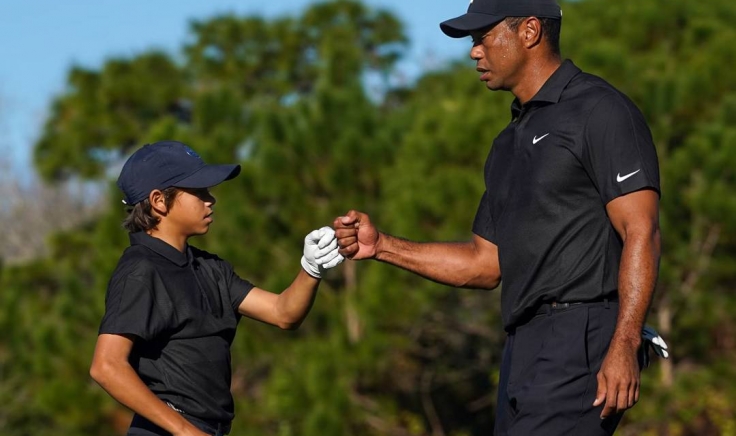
x=352, y=320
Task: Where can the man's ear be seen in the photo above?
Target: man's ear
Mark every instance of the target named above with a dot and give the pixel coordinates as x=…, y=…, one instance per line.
x=531, y=32
x=158, y=202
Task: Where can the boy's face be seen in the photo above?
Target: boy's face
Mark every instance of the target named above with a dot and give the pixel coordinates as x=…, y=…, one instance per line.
x=191, y=212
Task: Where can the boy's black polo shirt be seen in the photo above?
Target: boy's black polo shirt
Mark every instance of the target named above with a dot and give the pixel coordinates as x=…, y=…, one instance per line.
x=575, y=146
x=183, y=307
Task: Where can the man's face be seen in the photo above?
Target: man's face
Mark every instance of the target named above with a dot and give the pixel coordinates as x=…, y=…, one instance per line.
x=499, y=56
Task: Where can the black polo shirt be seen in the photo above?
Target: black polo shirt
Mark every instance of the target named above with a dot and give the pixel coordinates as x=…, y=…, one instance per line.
x=183, y=307
x=575, y=146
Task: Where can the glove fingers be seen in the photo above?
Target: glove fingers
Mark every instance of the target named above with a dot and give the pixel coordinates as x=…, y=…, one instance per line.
x=322, y=252
x=313, y=237
x=337, y=260
x=327, y=235
x=328, y=256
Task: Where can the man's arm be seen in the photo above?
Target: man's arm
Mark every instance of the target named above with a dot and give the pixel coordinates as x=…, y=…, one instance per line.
x=635, y=217
x=472, y=264
x=111, y=370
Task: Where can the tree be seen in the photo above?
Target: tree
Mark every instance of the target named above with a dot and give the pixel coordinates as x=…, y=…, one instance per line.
x=383, y=352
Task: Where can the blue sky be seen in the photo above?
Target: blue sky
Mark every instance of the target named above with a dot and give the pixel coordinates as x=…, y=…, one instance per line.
x=41, y=39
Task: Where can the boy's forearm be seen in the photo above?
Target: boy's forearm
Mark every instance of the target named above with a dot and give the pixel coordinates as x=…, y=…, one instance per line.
x=294, y=303
x=125, y=386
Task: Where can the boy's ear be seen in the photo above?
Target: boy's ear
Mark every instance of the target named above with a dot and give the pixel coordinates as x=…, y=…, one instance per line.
x=158, y=201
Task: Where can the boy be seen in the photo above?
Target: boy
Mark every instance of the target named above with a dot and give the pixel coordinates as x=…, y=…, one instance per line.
x=171, y=310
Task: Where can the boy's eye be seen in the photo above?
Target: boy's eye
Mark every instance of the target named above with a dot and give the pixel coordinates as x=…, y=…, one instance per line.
x=201, y=193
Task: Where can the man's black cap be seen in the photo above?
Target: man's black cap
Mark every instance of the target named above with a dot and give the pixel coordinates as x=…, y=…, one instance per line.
x=167, y=164
x=485, y=13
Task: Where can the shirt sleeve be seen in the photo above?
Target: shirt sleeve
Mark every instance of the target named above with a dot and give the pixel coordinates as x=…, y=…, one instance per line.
x=239, y=288
x=130, y=308
x=483, y=225
x=619, y=153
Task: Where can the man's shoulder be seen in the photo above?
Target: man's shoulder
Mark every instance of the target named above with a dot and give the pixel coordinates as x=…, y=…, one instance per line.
x=592, y=86
x=595, y=91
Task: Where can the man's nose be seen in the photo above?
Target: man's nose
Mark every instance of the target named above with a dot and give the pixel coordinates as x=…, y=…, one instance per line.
x=476, y=52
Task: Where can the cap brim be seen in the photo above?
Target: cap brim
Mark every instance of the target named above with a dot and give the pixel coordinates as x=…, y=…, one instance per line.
x=208, y=176
x=461, y=26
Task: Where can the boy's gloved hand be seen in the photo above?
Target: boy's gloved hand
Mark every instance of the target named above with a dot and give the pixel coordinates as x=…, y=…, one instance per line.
x=320, y=252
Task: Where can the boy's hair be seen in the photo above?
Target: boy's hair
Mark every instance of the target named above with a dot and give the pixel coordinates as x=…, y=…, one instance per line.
x=140, y=218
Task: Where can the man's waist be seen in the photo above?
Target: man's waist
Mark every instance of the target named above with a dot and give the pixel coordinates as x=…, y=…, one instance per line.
x=551, y=306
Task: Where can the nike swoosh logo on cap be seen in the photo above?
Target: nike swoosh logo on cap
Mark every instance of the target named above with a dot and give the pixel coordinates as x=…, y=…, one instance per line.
x=620, y=178
x=535, y=140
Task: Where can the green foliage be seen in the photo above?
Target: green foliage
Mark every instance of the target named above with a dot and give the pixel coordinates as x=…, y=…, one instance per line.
x=382, y=352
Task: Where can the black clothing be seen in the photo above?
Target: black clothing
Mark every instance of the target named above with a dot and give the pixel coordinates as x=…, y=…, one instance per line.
x=575, y=146
x=140, y=426
x=183, y=308
x=548, y=374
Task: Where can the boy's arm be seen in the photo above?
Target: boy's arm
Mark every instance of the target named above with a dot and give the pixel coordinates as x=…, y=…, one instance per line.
x=286, y=310
x=111, y=370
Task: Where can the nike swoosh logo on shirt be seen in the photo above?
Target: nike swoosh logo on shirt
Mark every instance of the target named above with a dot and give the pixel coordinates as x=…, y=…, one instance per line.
x=535, y=140
x=620, y=178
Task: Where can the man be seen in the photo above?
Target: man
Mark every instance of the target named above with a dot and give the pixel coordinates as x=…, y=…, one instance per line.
x=569, y=221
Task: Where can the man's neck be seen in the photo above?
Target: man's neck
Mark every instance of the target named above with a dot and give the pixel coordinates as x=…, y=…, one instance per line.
x=535, y=76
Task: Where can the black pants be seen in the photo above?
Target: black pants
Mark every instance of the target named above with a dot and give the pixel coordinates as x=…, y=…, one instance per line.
x=140, y=426
x=548, y=374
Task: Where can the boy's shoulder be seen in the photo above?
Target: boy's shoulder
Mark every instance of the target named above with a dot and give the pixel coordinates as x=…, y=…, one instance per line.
x=203, y=254
x=213, y=262
x=135, y=261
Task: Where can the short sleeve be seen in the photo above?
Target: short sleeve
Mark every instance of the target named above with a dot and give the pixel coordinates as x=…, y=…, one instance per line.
x=238, y=287
x=130, y=308
x=483, y=225
x=619, y=153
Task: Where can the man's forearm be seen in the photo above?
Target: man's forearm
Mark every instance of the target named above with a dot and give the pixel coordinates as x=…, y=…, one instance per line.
x=458, y=264
x=637, y=278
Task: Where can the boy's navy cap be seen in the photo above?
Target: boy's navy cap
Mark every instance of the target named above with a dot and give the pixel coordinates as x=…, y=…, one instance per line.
x=485, y=13
x=167, y=164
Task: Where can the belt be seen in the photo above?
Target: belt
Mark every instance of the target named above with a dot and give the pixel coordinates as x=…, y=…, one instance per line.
x=221, y=427
x=555, y=305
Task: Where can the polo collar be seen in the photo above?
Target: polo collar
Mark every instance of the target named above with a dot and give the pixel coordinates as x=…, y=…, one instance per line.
x=552, y=89
x=160, y=247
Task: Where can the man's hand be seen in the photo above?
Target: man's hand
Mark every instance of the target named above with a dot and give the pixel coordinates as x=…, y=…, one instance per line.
x=320, y=252
x=356, y=236
x=618, y=380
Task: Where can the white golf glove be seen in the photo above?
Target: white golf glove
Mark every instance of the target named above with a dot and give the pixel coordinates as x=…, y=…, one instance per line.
x=655, y=341
x=652, y=341
x=320, y=252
